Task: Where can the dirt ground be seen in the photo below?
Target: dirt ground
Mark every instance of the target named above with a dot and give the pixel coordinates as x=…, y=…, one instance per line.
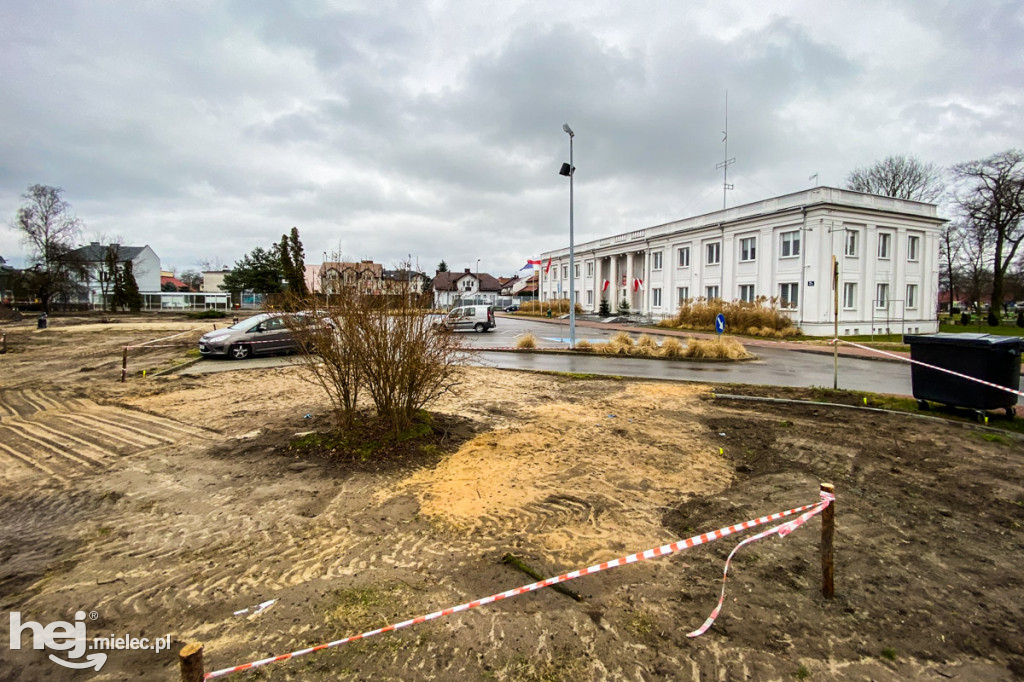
x=166, y=504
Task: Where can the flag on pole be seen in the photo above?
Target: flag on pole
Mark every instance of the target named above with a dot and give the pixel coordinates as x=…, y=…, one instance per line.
x=638, y=285
x=549, y=266
x=604, y=287
x=531, y=265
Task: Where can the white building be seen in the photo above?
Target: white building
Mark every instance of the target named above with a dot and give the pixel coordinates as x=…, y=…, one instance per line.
x=145, y=269
x=887, y=251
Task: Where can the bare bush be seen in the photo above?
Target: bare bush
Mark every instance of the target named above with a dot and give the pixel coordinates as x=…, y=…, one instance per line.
x=361, y=343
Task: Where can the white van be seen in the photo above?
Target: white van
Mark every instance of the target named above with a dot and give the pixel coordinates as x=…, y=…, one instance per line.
x=479, y=318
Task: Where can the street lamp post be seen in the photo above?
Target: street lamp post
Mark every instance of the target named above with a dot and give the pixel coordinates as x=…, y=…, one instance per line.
x=479, y=289
x=572, y=251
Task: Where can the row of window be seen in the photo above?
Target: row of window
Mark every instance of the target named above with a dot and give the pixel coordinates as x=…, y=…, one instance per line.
x=789, y=295
x=789, y=247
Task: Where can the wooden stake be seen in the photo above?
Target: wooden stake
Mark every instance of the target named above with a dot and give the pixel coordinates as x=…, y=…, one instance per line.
x=124, y=365
x=190, y=662
x=3, y=343
x=828, y=530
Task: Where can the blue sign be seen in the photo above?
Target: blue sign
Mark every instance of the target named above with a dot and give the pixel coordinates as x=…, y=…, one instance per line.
x=720, y=323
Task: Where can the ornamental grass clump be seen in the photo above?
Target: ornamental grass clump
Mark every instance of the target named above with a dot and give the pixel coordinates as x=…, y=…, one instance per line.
x=761, y=317
x=526, y=341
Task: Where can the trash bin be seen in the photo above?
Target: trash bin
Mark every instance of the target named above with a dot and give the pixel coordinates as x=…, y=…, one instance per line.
x=41, y=322
x=991, y=358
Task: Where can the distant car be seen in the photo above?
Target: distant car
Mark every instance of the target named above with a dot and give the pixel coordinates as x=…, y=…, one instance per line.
x=258, y=335
x=479, y=318
x=514, y=308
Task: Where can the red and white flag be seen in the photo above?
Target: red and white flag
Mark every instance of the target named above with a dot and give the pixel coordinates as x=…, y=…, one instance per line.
x=548, y=267
x=605, y=286
x=638, y=285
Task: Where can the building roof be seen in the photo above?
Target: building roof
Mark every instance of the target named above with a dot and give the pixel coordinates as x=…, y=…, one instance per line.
x=178, y=284
x=402, y=275
x=97, y=253
x=448, y=281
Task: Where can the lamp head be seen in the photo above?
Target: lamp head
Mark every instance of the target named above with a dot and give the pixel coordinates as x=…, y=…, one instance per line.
x=566, y=128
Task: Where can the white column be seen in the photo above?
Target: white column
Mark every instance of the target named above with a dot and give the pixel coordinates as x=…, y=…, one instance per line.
x=629, y=282
x=613, y=278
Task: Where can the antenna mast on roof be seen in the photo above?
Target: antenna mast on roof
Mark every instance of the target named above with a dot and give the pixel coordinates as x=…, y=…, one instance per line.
x=727, y=162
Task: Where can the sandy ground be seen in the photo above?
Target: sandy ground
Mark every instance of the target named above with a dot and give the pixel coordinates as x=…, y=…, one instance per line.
x=166, y=504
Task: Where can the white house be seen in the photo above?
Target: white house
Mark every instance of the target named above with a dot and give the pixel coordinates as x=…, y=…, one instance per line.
x=887, y=251
x=451, y=288
x=145, y=268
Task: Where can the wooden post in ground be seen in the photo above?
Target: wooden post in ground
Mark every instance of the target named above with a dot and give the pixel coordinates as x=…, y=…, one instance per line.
x=828, y=530
x=124, y=365
x=190, y=662
x=3, y=343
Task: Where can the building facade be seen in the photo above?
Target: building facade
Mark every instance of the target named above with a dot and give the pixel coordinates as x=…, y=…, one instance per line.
x=887, y=251
x=456, y=288
x=145, y=269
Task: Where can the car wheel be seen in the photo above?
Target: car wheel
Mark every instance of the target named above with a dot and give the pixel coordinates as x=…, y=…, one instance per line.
x=240, y=352
x=479, y=327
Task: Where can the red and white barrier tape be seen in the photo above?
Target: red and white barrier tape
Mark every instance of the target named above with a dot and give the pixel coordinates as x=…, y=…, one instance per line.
x=924, y=364
x=173, y=336
x=664, y=550
x=783, y=529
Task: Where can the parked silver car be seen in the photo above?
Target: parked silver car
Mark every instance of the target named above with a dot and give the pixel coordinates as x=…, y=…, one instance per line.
x=258, y=335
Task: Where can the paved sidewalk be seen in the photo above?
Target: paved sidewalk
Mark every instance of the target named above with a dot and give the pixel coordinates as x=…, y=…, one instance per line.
x=800, y=346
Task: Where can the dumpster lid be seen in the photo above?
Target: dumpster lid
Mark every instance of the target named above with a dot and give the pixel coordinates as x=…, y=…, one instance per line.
x=991, y=341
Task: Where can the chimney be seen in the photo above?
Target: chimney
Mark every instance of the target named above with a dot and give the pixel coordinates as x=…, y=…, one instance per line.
x=94, y=243
x=468, y=271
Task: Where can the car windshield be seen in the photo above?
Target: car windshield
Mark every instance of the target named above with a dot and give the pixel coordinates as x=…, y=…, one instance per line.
x=249, y=322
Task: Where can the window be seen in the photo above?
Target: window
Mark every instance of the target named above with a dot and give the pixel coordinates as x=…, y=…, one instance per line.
x=683, y=294
x=911, y=295
x=748, y=248
x=791, y=244
x=576, y=270
x=656, y=260
x=590, y=269
x=590, y=297
x=656, y=298
x=882, y=296
x=747, y=293
x=850, y=295
x=789, y=294
x=912, y=246
x=883, y=244
x=684, y=256
x=565, y=272
x=714, y=253
x=851, y=243
x=712, y=292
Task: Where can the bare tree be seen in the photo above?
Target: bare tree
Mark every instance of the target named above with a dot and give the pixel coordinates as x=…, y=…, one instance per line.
x=974, y=258
x=951, y=248
x=990, y=198
x=49, y=230
x=902, y=177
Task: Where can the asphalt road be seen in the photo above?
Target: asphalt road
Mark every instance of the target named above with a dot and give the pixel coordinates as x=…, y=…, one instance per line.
x=773, y=367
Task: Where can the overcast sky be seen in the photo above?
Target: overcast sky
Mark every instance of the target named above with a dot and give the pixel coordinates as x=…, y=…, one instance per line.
x=384, y=129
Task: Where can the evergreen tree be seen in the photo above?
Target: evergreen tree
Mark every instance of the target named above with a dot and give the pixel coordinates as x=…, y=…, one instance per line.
x=623, y=307
x=298, y=264
x=604, y=310
x=442, y=267
x=132, y=297
x=260, y=271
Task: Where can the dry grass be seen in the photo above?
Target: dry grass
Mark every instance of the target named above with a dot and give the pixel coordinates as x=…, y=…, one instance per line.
x=584, y=346
x=647, y=346
x=526, y=341
x=672, y=348
x=557, y=307
x=763, y=317
x=716, y=349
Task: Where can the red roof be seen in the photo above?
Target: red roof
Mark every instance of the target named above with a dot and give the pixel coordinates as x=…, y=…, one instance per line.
x=178, y=284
